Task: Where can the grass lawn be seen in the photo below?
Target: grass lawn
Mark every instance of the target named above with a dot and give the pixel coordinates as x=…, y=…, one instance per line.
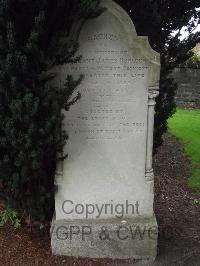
x=185, y=125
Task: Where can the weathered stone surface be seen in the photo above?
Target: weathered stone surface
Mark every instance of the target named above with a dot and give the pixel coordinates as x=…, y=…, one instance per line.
x=110, y=130
x=135, y=238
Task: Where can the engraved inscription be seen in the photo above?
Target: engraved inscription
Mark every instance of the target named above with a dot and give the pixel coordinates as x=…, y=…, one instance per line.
x=107, y=92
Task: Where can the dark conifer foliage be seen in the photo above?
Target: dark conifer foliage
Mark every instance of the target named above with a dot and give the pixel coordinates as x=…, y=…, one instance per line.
x=158, y=19
x=34, y=38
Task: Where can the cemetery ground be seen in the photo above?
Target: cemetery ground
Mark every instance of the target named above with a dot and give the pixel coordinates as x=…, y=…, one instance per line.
x=177, y=207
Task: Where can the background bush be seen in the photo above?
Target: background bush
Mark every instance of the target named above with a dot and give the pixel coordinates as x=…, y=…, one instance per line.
x=33, y=39
x=162, y=21
x=192, y=62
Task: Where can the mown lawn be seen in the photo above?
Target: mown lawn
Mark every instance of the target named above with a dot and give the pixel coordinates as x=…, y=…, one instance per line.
x=185, y=125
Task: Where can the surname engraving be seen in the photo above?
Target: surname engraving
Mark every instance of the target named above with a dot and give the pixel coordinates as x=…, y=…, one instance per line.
x=103, y=36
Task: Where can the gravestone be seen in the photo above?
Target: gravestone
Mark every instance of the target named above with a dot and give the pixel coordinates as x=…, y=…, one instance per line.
x=104, y=198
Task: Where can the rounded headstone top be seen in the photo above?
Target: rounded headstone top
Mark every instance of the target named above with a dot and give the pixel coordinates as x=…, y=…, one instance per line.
x=140, y=42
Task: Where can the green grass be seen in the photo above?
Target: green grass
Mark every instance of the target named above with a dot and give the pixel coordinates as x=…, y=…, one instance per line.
x=185, y=125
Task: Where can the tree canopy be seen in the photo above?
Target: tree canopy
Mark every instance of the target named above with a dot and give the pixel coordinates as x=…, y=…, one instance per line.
x=162, y=21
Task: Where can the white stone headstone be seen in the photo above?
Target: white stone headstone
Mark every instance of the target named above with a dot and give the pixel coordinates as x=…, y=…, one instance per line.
x=107, y=179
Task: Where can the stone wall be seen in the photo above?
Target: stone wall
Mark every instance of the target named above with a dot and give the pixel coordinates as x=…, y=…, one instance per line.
x=188, y=93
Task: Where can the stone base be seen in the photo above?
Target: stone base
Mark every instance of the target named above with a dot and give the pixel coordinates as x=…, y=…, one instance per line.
x=112, y=238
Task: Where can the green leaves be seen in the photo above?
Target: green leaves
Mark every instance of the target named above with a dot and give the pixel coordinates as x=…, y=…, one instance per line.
x=159, y=20
x=34, y=37
x=10, y=216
